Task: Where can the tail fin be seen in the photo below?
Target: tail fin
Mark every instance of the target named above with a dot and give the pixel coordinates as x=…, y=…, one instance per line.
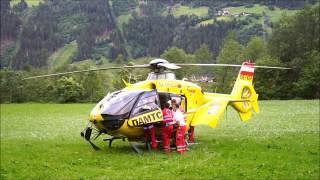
x=244, y=93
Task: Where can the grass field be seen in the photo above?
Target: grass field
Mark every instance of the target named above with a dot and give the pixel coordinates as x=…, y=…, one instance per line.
x=258, y=9
x=274, y=15
x=123, y=19
x=211, y=21
x=62, y=55
x=188, y=11
x=41, y=141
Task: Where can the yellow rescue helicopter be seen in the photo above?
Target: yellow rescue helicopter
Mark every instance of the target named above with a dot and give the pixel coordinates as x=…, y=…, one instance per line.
x=122, y=114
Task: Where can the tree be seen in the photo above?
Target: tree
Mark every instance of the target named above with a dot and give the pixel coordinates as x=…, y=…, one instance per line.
x=308, y=84
x=231, y=53
x=117, y=82
x=119, y=60
x=294, y=36
x=85, y=43
x=255, y=49
x=21, y=6
x=176, y=55
x=68, y=90
x=266, y=80
x=203, y=55
x=295, y=41
x=9, y=22
x=93, y=87
x=11, y=87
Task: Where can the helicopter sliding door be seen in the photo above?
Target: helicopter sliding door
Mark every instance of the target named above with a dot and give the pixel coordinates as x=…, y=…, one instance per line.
x=146, y=110
x=181, y=99
x=147, y=102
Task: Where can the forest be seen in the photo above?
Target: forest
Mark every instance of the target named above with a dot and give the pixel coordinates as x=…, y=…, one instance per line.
x=64, y=35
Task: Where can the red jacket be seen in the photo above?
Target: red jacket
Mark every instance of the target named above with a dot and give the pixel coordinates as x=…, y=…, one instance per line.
x=167, y=115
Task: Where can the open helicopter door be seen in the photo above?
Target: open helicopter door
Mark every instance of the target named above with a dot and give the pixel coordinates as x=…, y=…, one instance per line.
x=146, y=110
x=180, y=99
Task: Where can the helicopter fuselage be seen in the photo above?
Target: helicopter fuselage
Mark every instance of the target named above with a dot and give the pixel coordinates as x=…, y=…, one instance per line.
x=130, y=124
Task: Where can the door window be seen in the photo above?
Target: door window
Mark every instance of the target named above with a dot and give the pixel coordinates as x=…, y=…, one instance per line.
x=147, y=102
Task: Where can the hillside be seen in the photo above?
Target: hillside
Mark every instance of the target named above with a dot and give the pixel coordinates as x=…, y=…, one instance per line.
x=128, y=27
x=57, y=36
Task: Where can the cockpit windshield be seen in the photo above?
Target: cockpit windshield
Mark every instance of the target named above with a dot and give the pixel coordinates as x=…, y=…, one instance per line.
x=119, y=103
x=162, y=75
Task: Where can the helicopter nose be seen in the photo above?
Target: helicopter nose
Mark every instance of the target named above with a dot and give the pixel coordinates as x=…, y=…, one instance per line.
x=95, y=118
x=111, y=122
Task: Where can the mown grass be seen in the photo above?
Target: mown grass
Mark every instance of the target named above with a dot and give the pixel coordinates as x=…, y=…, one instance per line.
x=41, y=141
x=258, y=9
x=274, y=15
x=63, y=55
x=188, y=11
x=123, y=19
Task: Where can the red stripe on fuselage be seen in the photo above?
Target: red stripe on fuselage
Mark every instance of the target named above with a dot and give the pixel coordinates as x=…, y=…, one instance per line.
x=246, y=73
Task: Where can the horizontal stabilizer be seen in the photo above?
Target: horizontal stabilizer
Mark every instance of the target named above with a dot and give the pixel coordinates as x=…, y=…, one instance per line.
x=210, y=113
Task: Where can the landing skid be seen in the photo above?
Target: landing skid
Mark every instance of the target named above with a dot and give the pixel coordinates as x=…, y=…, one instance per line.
x=86, y=134
x=90, y=133
x=190, y=143
x=113, y=138
x=135, y=146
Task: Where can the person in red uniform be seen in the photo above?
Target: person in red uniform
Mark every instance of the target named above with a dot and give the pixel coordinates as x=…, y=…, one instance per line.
x=150, y=129
x=150, y=135
x=191, y=134
x=167, y=127
x=181, y=127
x=191, y=129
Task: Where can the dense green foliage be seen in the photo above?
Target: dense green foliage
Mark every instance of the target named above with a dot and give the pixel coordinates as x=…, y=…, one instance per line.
x=149, y=38
x=54, y=23
x=9, y=22
x=92, y=32
x=229, y=54
x=9, y=28
x=295, y=41
x=38, y=31
x=88, y=88
x=41, y=141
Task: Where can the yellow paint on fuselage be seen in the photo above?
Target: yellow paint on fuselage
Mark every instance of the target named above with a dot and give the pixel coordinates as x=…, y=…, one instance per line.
x=199, y=104
x=193, y=93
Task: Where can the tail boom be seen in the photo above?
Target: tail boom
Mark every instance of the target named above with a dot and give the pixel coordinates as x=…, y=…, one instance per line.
x=243, y=90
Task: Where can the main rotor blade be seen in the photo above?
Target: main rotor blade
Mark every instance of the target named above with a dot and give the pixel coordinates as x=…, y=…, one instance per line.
x=87, y=70
x=169, y=65
x=232, y=65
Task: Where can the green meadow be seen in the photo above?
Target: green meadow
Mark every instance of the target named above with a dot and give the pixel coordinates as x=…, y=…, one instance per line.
x=42, y=141
x=188, y=11
x=29, y=2
x=275, y=14
x=63, y=55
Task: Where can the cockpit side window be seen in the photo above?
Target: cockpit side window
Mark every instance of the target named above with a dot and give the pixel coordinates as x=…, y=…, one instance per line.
x=119, y=103
x=147, y=102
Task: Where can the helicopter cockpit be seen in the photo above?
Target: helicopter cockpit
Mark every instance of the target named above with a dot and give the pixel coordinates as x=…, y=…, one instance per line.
x=119, y=106
x=115, y=108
